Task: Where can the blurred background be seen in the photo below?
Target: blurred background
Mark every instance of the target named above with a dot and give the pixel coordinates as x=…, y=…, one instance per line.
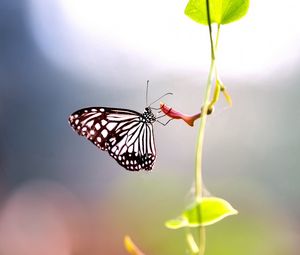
x=61, y=195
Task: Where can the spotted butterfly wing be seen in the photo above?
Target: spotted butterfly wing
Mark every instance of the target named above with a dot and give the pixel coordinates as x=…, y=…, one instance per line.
x=125, y=134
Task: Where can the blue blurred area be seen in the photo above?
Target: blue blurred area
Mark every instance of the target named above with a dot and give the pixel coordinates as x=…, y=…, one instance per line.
x=251, y=156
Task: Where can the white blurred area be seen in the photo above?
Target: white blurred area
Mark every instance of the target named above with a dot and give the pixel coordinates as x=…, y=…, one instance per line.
x=113, y=39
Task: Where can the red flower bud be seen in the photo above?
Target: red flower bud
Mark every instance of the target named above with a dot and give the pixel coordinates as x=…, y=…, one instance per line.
x=189, y=119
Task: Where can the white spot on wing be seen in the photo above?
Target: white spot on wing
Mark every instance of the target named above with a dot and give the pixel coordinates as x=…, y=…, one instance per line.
x=90, y=123
x=112, y=140
x=111, y=126
x=124, y=149
x=104, y=133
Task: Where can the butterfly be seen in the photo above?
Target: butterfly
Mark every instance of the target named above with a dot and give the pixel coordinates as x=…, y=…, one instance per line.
x=125, y=134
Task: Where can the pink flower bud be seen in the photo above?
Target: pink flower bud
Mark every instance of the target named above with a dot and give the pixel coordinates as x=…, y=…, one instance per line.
x=189, y=119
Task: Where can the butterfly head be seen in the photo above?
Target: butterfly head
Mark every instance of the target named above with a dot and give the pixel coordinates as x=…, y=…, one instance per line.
x=149, y=115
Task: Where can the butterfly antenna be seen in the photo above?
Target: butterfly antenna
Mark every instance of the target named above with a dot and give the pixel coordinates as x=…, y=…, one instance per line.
x=169, y=93
x=147, y=93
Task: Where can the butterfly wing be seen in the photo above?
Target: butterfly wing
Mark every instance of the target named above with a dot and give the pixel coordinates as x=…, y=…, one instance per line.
x=125, y=134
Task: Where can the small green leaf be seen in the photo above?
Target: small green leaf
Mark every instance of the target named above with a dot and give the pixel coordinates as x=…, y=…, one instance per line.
x=206, y=212
x=221, y=11
x=177, y=223
x=225, y=92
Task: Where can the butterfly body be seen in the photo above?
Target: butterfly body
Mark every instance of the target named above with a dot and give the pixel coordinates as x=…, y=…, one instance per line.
x=125, y=134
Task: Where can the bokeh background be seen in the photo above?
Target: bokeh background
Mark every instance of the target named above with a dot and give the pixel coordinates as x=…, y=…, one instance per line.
x=61, y=195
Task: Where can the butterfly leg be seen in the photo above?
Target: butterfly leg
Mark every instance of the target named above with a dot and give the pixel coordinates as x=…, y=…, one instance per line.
x=154, y=108
x=158, y=117
x=164, y=124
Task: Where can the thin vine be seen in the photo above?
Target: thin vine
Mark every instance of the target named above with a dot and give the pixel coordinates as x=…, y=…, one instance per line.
x=200, y=140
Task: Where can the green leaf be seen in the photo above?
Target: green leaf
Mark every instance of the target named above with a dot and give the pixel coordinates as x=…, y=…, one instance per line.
x=206, y=212
x=177, y=223
x=221, y=11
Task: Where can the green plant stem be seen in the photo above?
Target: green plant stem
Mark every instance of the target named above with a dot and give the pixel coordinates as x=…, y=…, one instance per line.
x=202, y=240
x=191, y=242
x=217, y=39
x=215, y=50
x=199, y=150
x=210, y=30
x=199, y=154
